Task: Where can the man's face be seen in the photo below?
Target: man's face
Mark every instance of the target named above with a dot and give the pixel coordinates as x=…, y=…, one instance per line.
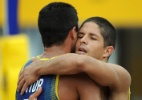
x=90, y=41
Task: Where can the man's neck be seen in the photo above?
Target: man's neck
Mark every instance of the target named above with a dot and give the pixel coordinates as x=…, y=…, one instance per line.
x=54, y=51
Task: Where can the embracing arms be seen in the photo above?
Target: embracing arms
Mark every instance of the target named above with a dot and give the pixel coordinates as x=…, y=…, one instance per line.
x=105, y=74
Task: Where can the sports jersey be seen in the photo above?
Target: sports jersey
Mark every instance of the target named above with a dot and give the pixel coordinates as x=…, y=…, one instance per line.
x=49, y=84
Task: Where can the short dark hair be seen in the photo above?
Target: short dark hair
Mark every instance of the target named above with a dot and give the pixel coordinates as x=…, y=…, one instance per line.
x=107, y=30
x=55, y=21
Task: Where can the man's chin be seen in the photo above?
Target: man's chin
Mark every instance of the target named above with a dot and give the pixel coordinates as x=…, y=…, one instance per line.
x=82, y=53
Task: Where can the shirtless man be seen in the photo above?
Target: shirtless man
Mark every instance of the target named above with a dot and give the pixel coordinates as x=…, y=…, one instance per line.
x=96, y=38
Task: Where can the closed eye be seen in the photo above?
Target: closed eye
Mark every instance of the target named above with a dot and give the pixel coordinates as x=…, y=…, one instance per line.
x=94, y=38
x=80, y=35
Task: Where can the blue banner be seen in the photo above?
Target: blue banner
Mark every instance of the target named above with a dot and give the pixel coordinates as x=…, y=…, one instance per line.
x=12, y=17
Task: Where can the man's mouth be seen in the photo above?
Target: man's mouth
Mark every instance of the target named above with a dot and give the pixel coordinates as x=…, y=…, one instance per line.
x=81, y=51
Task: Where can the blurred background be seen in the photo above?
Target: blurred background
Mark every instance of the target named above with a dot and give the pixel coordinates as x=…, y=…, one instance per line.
x=20, y=39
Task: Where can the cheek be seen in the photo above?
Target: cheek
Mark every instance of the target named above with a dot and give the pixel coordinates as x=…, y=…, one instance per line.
x=77, y=44
x=95, y=51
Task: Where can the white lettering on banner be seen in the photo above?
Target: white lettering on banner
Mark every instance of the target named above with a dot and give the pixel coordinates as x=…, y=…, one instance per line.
x=34, y=87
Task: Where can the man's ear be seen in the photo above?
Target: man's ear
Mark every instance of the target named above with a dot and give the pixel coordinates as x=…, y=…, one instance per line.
x=73, y=33
x=108, y=51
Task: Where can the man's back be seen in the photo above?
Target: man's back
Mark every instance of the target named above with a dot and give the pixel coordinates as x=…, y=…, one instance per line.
x=79, y=86
x=47, y=82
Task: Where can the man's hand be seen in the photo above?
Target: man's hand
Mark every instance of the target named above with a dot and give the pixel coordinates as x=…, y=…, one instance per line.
x=36, y=94
x=28, y=76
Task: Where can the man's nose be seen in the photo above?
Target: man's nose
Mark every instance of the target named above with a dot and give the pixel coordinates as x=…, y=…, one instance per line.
x=84, y=40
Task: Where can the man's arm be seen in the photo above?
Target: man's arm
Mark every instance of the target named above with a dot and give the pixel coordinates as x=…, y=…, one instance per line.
x=105, y=74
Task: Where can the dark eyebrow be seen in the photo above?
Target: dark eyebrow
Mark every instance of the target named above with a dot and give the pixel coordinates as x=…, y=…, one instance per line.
x=91, y=34
x=80, y=32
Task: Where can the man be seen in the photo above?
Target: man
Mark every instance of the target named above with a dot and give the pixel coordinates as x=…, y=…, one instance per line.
x=96, y=38
x=58, y=23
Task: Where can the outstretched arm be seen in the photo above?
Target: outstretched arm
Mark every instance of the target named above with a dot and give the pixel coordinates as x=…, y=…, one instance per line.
x=105, y=74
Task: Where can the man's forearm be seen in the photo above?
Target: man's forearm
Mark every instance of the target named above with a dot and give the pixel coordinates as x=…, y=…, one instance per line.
x=106, y=74
x=63, y=65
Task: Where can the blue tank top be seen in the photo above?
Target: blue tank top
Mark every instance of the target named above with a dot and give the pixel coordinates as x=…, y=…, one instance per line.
x=49, y=85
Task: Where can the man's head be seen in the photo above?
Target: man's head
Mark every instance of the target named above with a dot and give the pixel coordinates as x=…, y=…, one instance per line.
x=96, y=37
x=55, y=22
